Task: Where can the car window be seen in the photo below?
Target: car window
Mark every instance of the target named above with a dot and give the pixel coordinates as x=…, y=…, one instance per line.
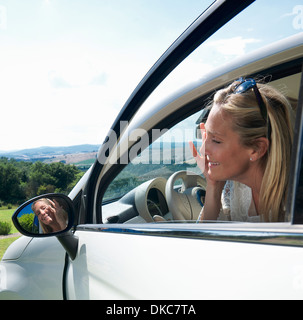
x=299, y=195
x=170, y=153
x=167, y=154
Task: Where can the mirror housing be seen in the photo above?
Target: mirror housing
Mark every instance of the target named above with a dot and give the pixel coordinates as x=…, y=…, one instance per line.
x=48, y=215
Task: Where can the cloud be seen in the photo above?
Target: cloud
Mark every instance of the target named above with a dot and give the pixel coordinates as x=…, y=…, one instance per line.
x=232, y=46
x=58, y=82
x=75, y=73
x=100, y=79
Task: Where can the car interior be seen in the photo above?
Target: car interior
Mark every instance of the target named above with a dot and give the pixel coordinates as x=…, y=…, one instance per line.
x=172, y=189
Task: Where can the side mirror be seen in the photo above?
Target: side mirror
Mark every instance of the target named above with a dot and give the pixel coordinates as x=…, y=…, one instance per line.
x=48, y=215
x=45, y=215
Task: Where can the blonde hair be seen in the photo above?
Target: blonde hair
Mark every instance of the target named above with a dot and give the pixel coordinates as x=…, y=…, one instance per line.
x=249, y=124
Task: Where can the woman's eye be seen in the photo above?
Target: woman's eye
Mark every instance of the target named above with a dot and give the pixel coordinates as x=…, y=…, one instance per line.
x=216, y=141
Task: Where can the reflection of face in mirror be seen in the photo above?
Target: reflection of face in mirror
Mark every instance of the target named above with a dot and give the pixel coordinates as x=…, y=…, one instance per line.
x=44, y=216
x=51, y=215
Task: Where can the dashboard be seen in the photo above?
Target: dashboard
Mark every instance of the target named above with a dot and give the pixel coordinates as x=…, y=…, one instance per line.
x=156, y=203
x=146, y=203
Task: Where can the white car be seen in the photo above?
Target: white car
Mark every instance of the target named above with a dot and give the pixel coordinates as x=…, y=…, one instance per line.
x=129, y=226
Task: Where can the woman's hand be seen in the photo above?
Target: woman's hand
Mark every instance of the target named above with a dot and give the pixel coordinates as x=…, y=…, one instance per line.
x=201, y=158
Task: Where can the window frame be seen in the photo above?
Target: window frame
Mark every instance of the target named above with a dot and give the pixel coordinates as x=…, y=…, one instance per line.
x=280, y=234
x=296, y=213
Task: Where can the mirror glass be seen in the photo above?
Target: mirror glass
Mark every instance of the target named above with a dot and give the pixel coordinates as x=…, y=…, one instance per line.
x=44, y=215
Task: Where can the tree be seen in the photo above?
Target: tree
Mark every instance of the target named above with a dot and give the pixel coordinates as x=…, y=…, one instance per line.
x=54, y=177
x=11, y=189
x=21, y=180
x=62, y=174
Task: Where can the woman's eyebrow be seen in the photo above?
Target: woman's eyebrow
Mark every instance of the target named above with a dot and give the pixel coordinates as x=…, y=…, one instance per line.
x=214, y=133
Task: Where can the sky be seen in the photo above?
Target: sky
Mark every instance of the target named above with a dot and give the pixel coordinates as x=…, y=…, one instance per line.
x=68, y=66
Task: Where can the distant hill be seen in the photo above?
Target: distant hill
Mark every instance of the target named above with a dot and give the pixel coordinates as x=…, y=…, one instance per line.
x=85, y=154
x=44, y=153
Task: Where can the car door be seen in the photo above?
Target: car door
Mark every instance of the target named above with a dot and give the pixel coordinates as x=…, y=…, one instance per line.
x=121, y=256
x=136, y=260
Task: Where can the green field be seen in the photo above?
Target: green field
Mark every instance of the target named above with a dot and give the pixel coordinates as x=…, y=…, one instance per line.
x=4, y=244
x=6, y=216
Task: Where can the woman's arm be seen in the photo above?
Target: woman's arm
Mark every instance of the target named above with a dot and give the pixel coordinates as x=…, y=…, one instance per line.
x=212, y=206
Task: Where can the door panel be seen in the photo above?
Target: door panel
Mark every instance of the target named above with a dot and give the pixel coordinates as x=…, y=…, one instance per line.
x=36, y=274
x=120, y=266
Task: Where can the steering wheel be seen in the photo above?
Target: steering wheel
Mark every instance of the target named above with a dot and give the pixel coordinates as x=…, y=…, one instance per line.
x=185, y=203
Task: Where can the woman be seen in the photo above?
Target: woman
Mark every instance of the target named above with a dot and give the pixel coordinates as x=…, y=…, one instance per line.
x=247, y=140
x=51, y=215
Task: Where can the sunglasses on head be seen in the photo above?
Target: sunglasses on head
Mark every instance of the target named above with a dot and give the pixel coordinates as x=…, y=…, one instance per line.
x=244, y=86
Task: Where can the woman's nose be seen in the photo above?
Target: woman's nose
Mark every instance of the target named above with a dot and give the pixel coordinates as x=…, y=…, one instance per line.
x=207, y=148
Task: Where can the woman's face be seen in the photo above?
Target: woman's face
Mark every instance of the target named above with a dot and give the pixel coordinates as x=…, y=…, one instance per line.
x=44, y=212
x=227, y=158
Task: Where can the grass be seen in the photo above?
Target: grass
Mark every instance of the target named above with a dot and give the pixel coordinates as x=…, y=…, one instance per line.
x=4, y=244
x=6, y=216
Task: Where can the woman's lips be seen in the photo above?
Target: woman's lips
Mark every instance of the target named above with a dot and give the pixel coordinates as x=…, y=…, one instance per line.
x=212, y=163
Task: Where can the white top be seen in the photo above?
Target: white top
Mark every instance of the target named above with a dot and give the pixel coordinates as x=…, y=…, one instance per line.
x=237, y=203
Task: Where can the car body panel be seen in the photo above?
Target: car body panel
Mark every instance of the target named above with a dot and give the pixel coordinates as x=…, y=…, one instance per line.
x=24, y=277
x=170, y=268
x=17, y=248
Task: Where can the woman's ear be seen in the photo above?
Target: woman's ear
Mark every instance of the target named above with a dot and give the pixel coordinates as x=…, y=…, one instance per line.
x=261, y=147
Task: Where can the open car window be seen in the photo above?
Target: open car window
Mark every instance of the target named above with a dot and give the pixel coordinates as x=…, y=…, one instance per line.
x=170, y=153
